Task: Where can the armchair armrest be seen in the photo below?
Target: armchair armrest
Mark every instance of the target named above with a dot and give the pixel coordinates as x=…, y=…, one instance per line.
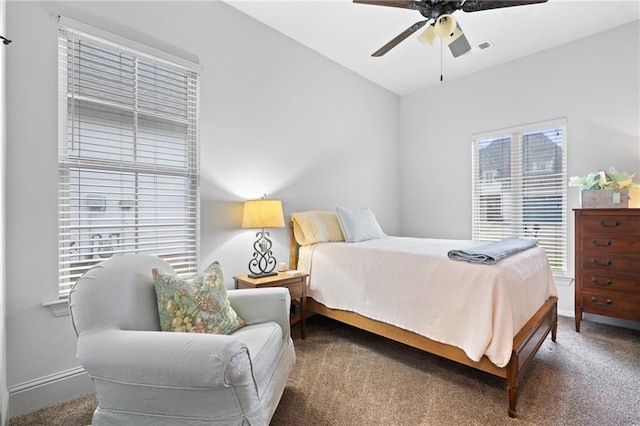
x=163, y=358
x=259, y=305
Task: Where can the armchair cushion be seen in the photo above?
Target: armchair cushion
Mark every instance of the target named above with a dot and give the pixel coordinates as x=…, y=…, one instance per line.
x=263, y=343
x=199, y=306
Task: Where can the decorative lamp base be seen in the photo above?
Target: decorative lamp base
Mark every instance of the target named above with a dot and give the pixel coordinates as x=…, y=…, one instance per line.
x=262, y=263
x=266, y=274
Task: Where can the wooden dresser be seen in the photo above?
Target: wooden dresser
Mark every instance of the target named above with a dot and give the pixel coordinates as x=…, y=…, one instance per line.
x=607, y=243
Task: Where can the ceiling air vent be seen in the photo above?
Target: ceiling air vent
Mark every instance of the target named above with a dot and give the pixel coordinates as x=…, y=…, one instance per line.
x=485, y=45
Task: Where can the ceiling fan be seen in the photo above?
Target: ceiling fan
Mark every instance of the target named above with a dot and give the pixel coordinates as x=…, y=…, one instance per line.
x=442, y=23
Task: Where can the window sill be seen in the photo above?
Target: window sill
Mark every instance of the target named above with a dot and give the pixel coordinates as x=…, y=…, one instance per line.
x=59, y=308
x=563, y=280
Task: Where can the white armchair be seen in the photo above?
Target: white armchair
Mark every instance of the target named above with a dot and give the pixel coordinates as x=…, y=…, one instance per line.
x=144, y=376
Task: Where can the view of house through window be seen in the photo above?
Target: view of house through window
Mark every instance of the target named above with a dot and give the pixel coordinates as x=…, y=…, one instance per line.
x=519, y=187
x=128, y=157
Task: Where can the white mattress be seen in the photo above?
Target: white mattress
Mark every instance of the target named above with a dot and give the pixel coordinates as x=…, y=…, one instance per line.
x=412, y=284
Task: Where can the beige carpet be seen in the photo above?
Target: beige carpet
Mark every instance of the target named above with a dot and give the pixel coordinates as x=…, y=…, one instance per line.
x=346, y=376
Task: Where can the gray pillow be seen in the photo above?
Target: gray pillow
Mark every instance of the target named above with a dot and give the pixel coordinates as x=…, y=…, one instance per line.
x=358, y=224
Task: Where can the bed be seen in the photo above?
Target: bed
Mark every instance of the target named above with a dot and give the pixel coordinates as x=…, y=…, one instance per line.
x=490, y=317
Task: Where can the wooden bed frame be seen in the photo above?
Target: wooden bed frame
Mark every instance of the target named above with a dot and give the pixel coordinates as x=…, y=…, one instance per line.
x=525, y=344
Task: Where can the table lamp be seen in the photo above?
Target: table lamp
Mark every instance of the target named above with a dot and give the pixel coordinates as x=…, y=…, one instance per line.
x=262, y=214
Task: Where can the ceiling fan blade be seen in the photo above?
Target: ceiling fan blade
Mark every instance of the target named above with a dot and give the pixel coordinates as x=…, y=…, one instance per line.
x=404, y=4
x=477, y=5
x=400, y=37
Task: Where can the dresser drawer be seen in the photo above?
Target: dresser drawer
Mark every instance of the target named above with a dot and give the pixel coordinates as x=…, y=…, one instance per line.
x=606, y=282
x=612, y=304
x=609, y=244
x=615, y=263
x=610, y=225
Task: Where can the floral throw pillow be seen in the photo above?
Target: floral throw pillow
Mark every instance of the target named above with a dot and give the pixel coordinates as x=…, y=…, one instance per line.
x=198, y=306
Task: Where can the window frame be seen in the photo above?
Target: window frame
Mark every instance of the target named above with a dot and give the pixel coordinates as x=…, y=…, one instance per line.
x=189, y=174
x=517, y=199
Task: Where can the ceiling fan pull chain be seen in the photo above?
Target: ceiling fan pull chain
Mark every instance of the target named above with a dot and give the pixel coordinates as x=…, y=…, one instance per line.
x=441, y=78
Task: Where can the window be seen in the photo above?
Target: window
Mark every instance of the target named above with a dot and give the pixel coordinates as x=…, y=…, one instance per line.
x=519, y=187
x=128, y=156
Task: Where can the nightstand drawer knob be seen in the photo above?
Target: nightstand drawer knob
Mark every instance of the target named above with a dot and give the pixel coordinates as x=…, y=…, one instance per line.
x=595, y=281
x=595, y=300
x=595, y=262
x=606, y=244
x=612, y=225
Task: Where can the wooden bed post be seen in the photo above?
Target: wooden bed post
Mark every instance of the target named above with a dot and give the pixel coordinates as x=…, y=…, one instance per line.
x=293, y=248
x=512, y=384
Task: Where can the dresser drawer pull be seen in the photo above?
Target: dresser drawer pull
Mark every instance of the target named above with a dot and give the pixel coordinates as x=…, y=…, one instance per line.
x=606, y=303
x=606, y=244
x=594, y=262
x=613, y=225
x=595, y=281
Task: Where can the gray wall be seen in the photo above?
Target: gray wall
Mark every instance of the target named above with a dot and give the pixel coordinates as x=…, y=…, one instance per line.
x=593, y=82
x=276, y=118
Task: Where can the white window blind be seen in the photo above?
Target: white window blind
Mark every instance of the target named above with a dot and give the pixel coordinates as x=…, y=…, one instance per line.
x=519, y=181
x=128, y=157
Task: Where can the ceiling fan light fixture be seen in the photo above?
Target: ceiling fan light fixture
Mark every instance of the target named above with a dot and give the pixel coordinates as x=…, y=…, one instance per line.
x=445, y=26
x=448, y=29
x=427, y=36
x=459, y=45
x=454, y=35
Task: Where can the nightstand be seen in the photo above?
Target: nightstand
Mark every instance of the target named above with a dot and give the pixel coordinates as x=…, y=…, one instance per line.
x=297, y=285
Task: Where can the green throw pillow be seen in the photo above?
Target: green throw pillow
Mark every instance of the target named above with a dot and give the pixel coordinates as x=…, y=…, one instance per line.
x=198, y=306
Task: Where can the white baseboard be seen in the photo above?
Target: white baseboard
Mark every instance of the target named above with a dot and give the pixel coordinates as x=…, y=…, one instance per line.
x=618, y=322
x=566, y=313
x=42, y=392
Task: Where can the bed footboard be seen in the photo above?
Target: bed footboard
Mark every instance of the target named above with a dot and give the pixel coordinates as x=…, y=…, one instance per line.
x=525, y=344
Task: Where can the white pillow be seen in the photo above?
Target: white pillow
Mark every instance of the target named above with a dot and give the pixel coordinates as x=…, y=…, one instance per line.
x=358, y=224
x=316, y=227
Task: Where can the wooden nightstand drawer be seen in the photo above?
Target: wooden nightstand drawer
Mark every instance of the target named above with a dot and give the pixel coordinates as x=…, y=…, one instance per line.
x=297, y=290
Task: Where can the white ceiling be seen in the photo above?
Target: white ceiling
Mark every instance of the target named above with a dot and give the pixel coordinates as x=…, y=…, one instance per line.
x=348, y=33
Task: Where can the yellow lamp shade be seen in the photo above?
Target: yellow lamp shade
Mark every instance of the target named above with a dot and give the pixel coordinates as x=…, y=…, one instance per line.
x=263, y=214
